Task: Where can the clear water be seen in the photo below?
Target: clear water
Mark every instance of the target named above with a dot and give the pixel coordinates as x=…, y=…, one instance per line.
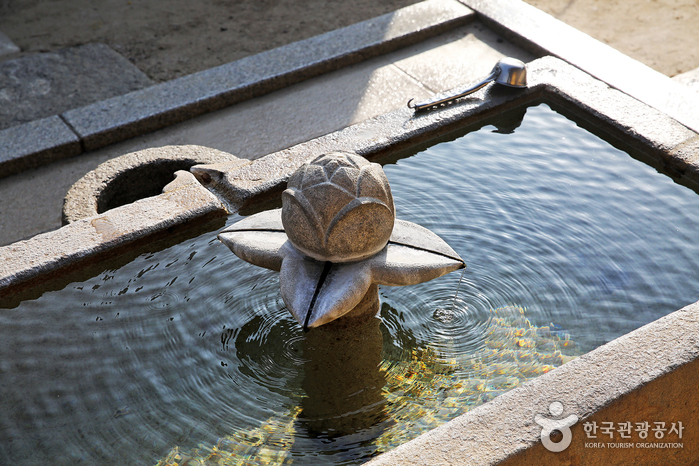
x=189, y=353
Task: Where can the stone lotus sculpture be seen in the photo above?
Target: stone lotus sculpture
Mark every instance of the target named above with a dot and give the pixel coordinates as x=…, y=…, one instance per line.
x=338, y=208
x=336, y=238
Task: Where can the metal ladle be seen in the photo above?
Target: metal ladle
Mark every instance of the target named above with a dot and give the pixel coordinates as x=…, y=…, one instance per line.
x=507, y=71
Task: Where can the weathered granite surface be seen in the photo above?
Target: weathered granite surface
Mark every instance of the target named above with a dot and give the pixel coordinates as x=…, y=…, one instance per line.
x=614, y=113
x=177, y=100
x=320, y=292
x=36, y=143
x=134, y=176
x=610, y=111
x=86, y=240
x=145, y=110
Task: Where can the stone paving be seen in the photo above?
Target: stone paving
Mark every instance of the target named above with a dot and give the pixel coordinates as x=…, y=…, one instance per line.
x=91, y=107
x=38, y=89
x=46, y=84
x=277, y=120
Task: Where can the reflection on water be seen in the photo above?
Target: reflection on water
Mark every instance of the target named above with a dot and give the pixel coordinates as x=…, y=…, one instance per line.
x=357, y=403
x=188, y=356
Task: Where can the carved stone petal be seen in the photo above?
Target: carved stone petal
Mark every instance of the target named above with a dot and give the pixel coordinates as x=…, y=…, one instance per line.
x=258, y=239
x=261, y=248
x=343, y=288
x=359, y=230
x=331, y=167
x=326, y=200
x=373, y=183
x=312, y=175
x=300, y=221
x=400, y=265
x=267, y=220
x=418, y=237
x=413, y=255
x=346, y=178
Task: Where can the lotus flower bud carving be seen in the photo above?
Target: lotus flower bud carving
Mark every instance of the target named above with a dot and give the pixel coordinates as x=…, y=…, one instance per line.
x=338, y=208
x=335, y=239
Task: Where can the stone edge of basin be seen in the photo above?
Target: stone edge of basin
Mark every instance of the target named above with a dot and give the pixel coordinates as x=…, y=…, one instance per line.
x=671, y=144
x=85, y=196
x=542, y=34
x=87, y=128
x=84, y=241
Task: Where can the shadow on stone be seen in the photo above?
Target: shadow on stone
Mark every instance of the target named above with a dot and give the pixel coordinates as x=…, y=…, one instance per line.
x=139, y=182
x=138, y=175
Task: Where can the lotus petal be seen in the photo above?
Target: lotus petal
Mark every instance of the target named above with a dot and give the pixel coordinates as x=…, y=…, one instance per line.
x=373, y=183
x=257, y=239
x=298, y=278
x=344, y=288
x=400, y=265
x=302, y=225
x=360, y=230
x=267, y=220
x=413, y=255
x=327, y=200
x=315, y=296
x=346, y=178
x=413, y=235
x=311, y=175
x=331, y=167
x=336, y=237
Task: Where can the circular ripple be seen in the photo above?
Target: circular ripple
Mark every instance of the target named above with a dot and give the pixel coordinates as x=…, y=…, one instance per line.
x=270, y=350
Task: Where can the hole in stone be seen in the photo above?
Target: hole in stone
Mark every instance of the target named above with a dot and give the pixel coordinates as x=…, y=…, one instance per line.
x=139, y=182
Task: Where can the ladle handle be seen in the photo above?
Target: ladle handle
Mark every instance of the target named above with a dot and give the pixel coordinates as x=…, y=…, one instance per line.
x=433, y=103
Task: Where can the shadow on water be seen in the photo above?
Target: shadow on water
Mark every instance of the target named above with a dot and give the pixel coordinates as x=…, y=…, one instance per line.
x=344, y=407
x=337, y=376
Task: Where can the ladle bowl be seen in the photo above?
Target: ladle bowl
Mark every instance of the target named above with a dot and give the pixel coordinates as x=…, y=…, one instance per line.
x=512, y=72
x=507, y=71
